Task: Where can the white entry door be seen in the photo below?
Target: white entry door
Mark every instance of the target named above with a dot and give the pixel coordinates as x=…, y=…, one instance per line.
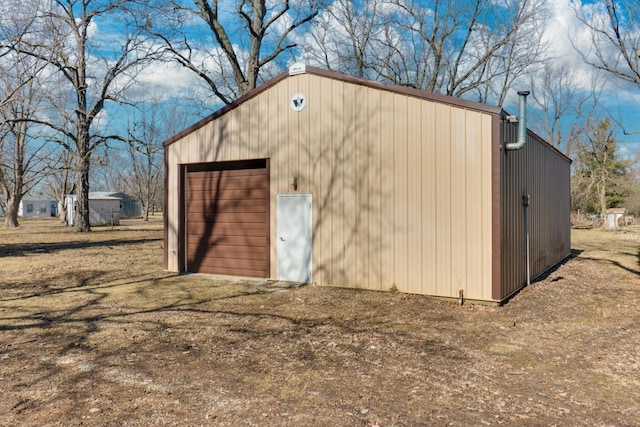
x=294, y=237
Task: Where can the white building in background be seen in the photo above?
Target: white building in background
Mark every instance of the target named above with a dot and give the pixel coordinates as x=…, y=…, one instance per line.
x=103, y=209
x=130, y=207
x=37, y=207
x=613, y=218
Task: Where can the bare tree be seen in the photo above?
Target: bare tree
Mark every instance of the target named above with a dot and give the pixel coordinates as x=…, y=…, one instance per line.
x=60, y=182
x=23, y=160
x=16, y=20
x=91, y=72
x=522, y=54
x=346, y=37
x=615, y=38
x=144, y=178
x=135, y=165
x=231, y=42
x=566, y=110
x=461, y=47
x=17, y=160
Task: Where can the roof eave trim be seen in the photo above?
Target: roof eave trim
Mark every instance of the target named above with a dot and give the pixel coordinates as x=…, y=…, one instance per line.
x=409, y=91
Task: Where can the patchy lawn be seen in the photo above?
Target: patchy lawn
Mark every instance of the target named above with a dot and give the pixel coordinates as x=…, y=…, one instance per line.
x=92, y=332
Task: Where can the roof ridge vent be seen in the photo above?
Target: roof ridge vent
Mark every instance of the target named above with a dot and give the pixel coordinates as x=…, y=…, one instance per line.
x=297, y=68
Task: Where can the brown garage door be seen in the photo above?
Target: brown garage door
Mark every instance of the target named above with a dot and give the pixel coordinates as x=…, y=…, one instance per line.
x=227, y=211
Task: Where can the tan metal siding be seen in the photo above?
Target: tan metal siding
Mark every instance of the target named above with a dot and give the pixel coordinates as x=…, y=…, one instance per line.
x=323, y=204
x=414, y=194
x=387, y=221
x=459, y=201
x=544, y=174
x=361, y=191
x=428, y=182
x=373, y=234
x=352, y=184
x=336, y=189
x=401, y=185
x=400, y=199
x=443, y=200
x=473, y=197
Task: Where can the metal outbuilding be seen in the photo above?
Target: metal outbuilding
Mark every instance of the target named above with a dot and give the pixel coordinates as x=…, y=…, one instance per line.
x=130, y=207
x=613, y=217
x=37, y=207
x=320, y=177
x=103, y=209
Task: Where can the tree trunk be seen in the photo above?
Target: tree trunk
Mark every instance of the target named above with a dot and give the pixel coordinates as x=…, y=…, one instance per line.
x=11, y=215
x=603, y=203
x=82, y=223
x=62, y=211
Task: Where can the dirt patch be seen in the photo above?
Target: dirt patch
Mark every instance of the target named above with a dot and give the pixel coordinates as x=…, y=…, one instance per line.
x=92, y=332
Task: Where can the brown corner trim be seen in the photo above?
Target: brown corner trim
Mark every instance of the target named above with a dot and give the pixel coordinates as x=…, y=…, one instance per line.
x=496, y=209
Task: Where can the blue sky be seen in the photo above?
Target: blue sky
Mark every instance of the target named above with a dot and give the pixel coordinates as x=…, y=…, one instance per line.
x=621, y=100
x=563, y=32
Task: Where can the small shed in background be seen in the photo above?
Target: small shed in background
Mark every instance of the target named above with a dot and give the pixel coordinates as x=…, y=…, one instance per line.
x=130, y=207
x=31, y=207
x=390, y=188
x=614, y=217
x=103, y=210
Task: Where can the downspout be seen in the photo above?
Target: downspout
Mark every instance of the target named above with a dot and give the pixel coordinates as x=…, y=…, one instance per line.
x=511, y=146
x=525, y=202
x=522, y=124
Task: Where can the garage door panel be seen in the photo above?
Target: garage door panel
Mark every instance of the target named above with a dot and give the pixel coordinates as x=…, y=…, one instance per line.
x=206, y=174
x=229, y=271
x=228, y=263
x=228, y=206
x=234, y=218
x=243, y=241
x=223, y=251
x=223, y=183
x=256, y=229
x=252, y=193
x=227, y=215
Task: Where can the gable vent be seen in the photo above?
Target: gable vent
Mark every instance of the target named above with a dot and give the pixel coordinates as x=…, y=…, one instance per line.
x=297, y=68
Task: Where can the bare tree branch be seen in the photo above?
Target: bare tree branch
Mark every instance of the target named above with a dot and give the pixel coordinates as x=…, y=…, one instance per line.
x=615, y=39
x=456, y=48
x=232, y=65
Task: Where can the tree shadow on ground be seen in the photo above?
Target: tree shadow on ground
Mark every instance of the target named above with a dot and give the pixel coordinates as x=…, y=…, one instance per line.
x=81, y=282
x=615, y=263
x=76, y=350
x=31, y=248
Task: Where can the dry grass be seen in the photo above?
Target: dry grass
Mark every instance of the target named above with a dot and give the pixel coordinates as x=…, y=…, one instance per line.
x=92, y=332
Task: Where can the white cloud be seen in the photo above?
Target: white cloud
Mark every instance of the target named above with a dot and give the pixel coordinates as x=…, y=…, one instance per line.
x=164, y=81
x=569, y=39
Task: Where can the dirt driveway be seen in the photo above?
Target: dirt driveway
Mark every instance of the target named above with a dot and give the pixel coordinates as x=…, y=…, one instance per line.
x=92, y=332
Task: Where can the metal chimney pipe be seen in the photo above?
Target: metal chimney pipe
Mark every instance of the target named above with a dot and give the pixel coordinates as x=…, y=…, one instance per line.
x=522, y=123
